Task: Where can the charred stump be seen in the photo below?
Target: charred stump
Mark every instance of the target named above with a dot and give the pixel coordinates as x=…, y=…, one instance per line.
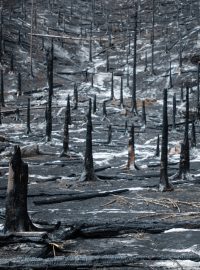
x=16, y=216
x=131, y=151
x=104, y=110
x=88, y=173
x=164, y=181
x=109, y=134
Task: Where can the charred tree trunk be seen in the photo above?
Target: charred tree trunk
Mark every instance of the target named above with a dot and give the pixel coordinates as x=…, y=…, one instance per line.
x=49, y=119
x=19, y=85
x=198, y=72
x=144, y=121
x=104, y=110
x=164, y=181
x=186, y=148
x=134, y=99
x=69, y=111
x=112, y=88
x=2, y=90
x=75, y=96
x=88, y=173
x=157, y=154
x=121, y=94
x=174, y=113
x=131, y=151
x=28, y=118
x=109, y=134
x=50, y=69
x=94, y=104
x=16, y=217
x=66, y=130
x=193, y=135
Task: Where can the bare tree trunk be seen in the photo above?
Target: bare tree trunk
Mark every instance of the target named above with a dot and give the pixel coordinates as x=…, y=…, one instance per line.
x=88, y=171
x=164, y=181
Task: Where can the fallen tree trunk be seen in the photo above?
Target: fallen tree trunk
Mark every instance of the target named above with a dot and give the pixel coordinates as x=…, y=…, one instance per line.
x=74, y=262
x=110, y=230
x=82, y=196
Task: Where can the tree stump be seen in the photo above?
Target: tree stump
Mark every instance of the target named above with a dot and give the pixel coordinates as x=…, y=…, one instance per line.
x=17, y=218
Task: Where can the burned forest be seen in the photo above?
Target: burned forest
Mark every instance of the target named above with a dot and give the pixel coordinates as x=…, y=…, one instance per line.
x=100, y=134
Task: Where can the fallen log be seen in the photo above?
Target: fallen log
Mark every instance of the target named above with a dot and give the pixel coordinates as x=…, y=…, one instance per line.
x=74, y=262
x=82, y=196
x=111, y=230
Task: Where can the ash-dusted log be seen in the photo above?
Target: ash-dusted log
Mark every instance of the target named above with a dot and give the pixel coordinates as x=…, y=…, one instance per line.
x=144, y=121
x=95, y=104
x=88, y=173
x=2, y=90
x=28, y=118
x=157, y=154
x=19, y=85
x=16, y=217
x=121, y=94
x=131, y=151
x=164, y=181
x=66, y=130
x=174, y=112
x=193, y=135
x=112, y=87
x=75, y=98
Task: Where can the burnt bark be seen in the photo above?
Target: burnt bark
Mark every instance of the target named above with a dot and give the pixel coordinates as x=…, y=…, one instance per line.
x=174, y=113
x=112, y=87
x=164, y=181
x=88, y=173
x=19, y=85
x=134, y=99
x=49, y=119
x=66, y=130
x=193, y=135
x=16, y=217
x=75, y=96
x=131, y=150
x=157, y=154
x=2, y=90
x=28, y=118
x=144, y=121
x=121, y=94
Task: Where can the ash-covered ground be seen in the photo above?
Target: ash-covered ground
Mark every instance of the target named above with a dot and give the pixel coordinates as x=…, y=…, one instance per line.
x=140, y=228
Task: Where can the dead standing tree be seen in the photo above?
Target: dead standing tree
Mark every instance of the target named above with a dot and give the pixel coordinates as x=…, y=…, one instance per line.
x=164, y=181
x=131, y=151
x=88, y=173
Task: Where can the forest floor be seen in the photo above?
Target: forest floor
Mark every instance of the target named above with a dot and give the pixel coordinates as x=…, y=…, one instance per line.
x=133, y=225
